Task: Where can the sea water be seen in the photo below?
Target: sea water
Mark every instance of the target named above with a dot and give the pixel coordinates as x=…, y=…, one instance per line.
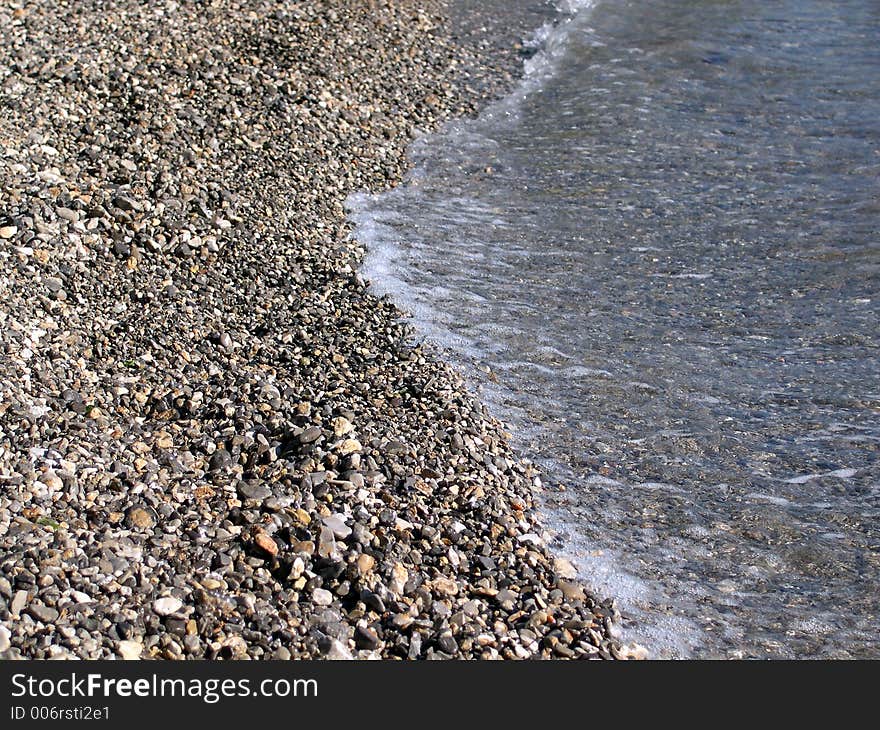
x=658, y=260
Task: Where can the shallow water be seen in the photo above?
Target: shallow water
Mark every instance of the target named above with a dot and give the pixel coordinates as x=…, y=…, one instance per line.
x=664, y=248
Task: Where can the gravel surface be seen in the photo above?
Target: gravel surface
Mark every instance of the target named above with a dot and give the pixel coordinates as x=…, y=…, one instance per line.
x=214, y=441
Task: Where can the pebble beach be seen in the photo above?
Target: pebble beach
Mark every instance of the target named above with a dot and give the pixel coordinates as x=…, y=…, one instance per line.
x=215, y=441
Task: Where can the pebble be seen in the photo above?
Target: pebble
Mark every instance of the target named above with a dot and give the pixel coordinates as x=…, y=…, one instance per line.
x=565, y=569
x=349, y=446
x=220, y=459
x=399, y=578
x=443, y=586
x=167, y=605
x=337, y=525
x=129, y=650
x=366, y=638
x=253, y=491
x=19, y=601
x=125, y=203
x=635, y=651
x=266, y=544
x=50, y=478
x=326, y=543
x=42, y=612
x=310, y=435
x=322, y=597
x=365, y=564
x=139, y=518
x=447, y=644
x=338, y=651
x=572, y=591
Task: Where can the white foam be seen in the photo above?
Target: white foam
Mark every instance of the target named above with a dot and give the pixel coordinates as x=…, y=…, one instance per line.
x=838, y=473
x=780, y=501
x=842, y=473
x=580, y=371
x=551, y=40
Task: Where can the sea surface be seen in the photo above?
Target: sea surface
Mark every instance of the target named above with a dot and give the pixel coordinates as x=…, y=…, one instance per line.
x=658, y=260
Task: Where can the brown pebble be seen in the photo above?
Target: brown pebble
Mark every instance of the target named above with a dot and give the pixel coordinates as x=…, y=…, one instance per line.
x=139, y=518
x=572, y=591
x=266, y=544
x=365, y=563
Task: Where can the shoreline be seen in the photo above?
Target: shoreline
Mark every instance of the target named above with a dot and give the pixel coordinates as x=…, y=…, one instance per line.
x=216, y=443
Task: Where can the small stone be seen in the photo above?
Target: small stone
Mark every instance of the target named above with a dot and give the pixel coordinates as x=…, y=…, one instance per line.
x=19, y=600
x=266, y=544
x=326, y=543
x=8, y=231
x=506, y=599
x=139, y=518
x=310, y=435
x=322, y=597
x=254, y=490
x=51, y=480
x=5, y=635
x=303, y=516
x=634, y=651
x=443, y=586
x=564, y=569
x=399, y=577
x=338, y=651
x=220, y=459
x=126, y=204
x=304, y=546
x=42, y=612
x=236, y=646
x=415, y=646
x=167, y=605
x=342, y=426
x=447, y=644
x=366, y=638
x=365, y=564
x=485, y=563
x=337, y=524
x=349, y=446
x=373, y=601
x=531, y=538
x=572, y=591
x=129, y=650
